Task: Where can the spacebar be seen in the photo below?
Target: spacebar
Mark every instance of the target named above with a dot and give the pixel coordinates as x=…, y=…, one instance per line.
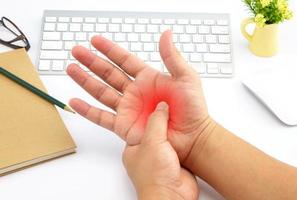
x=59, y=55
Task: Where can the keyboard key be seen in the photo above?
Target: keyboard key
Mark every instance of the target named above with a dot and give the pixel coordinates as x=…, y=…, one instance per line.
x=156, y=21
x=199, y=67
x=90, y=19
x=211, y=39
x=222, y=22
x=213, y=68
x=59, y=55
x=220, y=30
x=119, y=37
x=130, y=20
x=175, y=37
x=152, y=28
x=101, y=27
x=116, y=20
x=143, y=21
x=156, y=37
x=139, y=28
x=195, y=57
x=81, y=36
x=68, y=36
x=201, y=47
x=165, y=28
x=74, y=27
x=77, y=19
x=88, y=27
x=62, y=27
x=155, y=56
x=191, y=29
x=127, y=28
x=188, y=47
x=69, y=45
x=49, y=27
x=209, y=22
x=103, y=19
x=148, y=47
x=132, y=37
x=219, y=48
x=51, y=35
x=113, y=28
x=44, y=65
x=204, y=29
x=52, y=45
x=107, y=36
x=58, y=65
x=136, y=46
x=216, y=57
x=184, y=38
x=84, y=44
x=198, y=38
x=169, y=21
x=146, y=37
x=51, y=19
x=195, y=21
x=64, y=19
x=178, y=29
x=91, y=35
x=224, y=39
x=226, y=68
x=182, y=21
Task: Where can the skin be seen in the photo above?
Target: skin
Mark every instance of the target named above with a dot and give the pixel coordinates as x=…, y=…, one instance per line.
x=132, y=90
x=153, y=165
x=126, y=96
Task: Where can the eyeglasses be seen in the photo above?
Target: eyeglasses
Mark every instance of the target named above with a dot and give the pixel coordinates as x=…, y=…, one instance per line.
x=11, y=36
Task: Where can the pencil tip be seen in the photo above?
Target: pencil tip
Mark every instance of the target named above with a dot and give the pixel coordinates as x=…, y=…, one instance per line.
x=69, y=109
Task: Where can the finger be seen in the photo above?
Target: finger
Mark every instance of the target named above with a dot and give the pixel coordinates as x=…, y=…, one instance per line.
x=171, y=57
x=156, y=129
x=101, y=117
x=97, y=89
x=101, y=67
x=130, y=63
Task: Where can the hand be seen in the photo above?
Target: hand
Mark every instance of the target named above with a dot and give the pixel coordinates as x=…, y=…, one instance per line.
x=134, y=97
x=153, y=165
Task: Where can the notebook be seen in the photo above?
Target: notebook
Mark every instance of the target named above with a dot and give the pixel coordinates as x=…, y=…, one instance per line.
x=31, y=130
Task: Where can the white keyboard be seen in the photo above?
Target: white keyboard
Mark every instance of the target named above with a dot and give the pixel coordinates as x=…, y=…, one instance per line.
x=203, y=39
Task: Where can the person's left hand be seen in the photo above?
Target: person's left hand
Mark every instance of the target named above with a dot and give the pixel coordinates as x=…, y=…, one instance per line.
x=153, y=165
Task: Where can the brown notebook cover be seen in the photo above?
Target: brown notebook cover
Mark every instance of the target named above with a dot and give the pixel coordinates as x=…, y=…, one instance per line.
x=31, y=130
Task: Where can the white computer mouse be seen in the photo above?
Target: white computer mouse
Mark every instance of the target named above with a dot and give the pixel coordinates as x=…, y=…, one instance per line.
x=277, y=89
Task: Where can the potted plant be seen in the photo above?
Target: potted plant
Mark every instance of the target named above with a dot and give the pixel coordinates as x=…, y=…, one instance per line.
x=267, y=14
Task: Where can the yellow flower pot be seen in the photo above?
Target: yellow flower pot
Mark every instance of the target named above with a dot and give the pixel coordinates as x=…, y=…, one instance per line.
x=264, y=40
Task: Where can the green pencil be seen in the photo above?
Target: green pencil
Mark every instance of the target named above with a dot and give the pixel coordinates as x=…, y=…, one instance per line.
x=35, y=90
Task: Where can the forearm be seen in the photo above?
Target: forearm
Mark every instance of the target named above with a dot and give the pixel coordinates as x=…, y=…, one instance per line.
x=238, y=170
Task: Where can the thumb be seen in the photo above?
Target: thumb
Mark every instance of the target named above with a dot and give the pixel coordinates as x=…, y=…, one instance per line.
x=171, y=57
x=156, y=128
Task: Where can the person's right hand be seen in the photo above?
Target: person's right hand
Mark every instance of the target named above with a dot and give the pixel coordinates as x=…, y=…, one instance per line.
x=135, y=90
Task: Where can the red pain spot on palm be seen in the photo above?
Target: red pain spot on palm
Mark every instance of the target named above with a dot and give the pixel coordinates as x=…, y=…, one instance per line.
x=151, y=96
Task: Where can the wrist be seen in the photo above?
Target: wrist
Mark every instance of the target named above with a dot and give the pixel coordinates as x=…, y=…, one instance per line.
x=208, y=128
x=158, y=193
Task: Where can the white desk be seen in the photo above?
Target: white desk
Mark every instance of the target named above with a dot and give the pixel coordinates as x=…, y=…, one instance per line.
x=96, y=171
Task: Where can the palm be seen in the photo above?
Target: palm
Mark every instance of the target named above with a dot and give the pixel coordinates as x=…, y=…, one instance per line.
x=135, y=100
x=150, y=87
